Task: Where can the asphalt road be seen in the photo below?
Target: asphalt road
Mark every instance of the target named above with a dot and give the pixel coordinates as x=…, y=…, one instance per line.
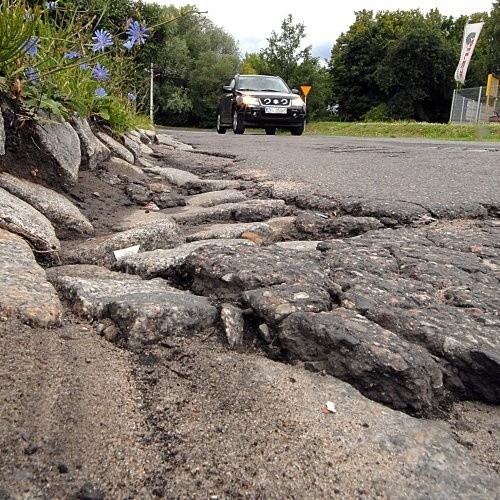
x=418, y=171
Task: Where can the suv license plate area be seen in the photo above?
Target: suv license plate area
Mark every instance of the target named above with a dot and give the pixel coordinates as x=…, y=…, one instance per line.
x=275, y=110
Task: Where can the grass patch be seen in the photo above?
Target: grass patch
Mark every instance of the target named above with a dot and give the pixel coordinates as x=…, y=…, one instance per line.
x=417, y=130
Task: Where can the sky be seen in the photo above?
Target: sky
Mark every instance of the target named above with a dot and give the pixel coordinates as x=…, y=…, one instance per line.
x=252, y=22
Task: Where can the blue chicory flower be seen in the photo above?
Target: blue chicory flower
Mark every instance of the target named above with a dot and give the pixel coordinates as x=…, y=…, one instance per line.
x=100, y=72
x=31, y=45
x=51, y=5
x=131, y=96
x=72, y=54
x=102, y=40
x=137, y=33
x=84, y=66
x=33, y=75
x=100, y=92
x=128, y=44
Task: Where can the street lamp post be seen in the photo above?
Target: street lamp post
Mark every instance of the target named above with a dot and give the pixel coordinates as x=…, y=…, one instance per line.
x=151, y=96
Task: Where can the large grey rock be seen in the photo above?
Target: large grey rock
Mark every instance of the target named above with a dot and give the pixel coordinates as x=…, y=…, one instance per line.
x=145, y=311
x=139, y=217
x=65, y=217
x=145, y=163
x=87, y=271
x=226, y=272
x=191, y=182
x=25, y=292
x=159, y=234
x=299, y=246
x=164, y=263
x=146, y=150
x=230, y=231
x=134, y=146
x=287, y=190
x=123, y=167
x=387, y=211
x=213, y=198
x=116, y=148
x=93, y=150
x=246, y=211
x=437, y=288
x=2, y=134
x=320, y=226
x=20, y=218
x=376, y=361
x=168, y=140
x=137, y=143
x=445, y=329
x=479, y=237
x=174, y=176
x=149, y=134
x=442, y=267
x=469, y=351
x=61, y=142
x=274, y=303
x=456, y=209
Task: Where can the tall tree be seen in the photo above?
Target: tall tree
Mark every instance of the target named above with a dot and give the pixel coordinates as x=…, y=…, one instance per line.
x=416, y=71
x=494, y=39
x=403, y=61
x=283, y=53
x=353, y=64
x=285, y=57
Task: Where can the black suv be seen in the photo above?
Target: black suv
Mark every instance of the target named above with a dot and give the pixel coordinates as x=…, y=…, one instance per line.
x=261, y=102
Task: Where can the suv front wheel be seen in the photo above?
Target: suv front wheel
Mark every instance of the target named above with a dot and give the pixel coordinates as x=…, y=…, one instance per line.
x=220, y=128
x=238, y=127
x=298, y=130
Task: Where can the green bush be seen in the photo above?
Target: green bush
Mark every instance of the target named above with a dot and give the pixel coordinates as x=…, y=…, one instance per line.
x=380, y=113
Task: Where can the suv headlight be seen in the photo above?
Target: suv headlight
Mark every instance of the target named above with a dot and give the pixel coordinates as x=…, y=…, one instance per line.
x=297, y=101
x=248, y=100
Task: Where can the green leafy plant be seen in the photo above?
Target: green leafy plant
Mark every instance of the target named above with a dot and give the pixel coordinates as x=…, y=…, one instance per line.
x=17, y=26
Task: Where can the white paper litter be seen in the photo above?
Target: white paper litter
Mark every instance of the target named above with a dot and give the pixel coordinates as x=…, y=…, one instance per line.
x=331, y=407
x=125, y=252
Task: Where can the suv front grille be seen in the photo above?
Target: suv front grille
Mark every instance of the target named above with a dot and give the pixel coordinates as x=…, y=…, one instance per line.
x=275, y=101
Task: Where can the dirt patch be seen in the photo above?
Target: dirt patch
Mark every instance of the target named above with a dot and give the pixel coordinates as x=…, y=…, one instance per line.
x=190, y=419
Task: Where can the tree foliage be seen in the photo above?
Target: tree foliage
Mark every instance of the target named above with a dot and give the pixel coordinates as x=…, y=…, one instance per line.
x=284, y=55
x=191, y=59
x=406, y=60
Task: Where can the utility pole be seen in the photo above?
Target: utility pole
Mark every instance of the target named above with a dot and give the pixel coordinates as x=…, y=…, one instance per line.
x=151, y=96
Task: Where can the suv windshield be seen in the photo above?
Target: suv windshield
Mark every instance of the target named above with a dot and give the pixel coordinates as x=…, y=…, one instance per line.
x=262, y=83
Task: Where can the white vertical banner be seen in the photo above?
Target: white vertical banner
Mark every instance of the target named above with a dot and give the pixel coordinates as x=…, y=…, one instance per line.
x=471, y=34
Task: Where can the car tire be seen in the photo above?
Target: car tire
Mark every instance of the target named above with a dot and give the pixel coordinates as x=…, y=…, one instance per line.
x=220, y=128
x=238, y=127
x=270, y=130
x=298, y=130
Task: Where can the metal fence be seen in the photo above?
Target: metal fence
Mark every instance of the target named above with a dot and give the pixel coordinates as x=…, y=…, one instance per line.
x=473, y=106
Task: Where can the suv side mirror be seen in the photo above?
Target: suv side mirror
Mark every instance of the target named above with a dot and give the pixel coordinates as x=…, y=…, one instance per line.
x=227, y=88
x=295, y=91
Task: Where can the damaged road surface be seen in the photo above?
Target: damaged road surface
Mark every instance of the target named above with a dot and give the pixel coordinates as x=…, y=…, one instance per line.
x=200, y=364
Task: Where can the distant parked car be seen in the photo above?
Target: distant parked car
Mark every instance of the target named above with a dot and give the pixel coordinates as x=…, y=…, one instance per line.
x=260, y=101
